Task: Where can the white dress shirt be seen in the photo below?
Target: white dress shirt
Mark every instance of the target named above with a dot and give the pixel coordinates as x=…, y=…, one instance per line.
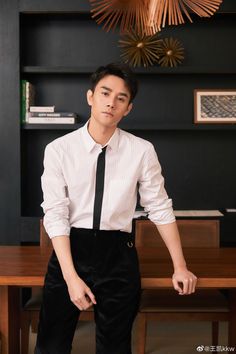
x=68, y=183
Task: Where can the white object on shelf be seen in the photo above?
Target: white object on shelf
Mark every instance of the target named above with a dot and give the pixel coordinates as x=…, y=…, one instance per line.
x=42, y=109
x=230, y=210
x=51, y=120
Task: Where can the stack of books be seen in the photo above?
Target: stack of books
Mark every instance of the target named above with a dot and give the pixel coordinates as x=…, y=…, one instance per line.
x=32, y=114
x=47, y=115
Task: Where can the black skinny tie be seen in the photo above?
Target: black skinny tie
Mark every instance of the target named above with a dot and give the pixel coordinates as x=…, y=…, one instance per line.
x=99, y=188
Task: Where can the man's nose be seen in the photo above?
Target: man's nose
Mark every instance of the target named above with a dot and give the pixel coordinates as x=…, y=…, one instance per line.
x=111, y=103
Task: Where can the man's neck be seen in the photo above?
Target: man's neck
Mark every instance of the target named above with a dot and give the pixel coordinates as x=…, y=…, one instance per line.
x=99, y=133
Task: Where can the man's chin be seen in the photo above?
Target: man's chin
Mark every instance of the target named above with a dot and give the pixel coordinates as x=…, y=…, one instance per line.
x=110, y=123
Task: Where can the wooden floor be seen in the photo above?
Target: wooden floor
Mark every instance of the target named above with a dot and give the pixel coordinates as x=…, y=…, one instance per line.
x=163, y=338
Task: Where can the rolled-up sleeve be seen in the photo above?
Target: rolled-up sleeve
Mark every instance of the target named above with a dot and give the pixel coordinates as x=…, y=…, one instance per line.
x=55, y=201
x=153, y=196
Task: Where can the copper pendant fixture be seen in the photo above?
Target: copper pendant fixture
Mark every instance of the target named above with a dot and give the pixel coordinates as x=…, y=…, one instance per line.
x=148, y=16
x=129, y=14
x=173, y=11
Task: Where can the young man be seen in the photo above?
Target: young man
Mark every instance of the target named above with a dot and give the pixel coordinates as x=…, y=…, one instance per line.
x=90, y=186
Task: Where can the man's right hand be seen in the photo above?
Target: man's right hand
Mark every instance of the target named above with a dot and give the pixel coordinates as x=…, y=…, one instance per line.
x=80, y=293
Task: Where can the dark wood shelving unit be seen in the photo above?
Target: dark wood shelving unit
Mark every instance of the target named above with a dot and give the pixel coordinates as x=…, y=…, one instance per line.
x=163, y=110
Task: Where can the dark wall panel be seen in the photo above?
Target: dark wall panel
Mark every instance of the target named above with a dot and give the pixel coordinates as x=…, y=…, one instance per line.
x=9, y=123
x=198, y=167
x=78, y=41
x=65, y=40
x=54, y=5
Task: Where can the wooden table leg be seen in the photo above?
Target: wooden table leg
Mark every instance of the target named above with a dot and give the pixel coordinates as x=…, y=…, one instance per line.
x=10, y=319
x=232, y=318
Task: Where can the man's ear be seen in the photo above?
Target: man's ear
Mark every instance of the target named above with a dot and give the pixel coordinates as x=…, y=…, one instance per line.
x=89, y=97
x=130, y=106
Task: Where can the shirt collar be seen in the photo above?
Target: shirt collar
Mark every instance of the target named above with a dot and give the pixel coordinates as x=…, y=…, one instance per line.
x=90, y=143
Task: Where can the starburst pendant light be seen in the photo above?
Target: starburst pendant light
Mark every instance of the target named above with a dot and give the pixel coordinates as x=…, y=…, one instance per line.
x=173, y=11
x=171, y=52
x=128, y=13
x=148, y=16
x=140, y=50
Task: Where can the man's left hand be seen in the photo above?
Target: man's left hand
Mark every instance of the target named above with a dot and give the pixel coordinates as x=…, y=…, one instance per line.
x=184, y=281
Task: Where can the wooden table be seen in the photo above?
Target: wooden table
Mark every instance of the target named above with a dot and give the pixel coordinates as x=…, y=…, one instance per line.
x=26, y=266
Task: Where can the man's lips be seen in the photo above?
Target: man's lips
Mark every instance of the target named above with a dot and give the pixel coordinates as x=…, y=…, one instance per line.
x=108, y=113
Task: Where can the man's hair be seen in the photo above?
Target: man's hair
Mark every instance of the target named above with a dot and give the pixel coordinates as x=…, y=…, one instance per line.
x=121, y=70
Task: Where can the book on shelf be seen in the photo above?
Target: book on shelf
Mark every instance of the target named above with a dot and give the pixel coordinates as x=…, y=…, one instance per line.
x=42, y=108
x=53, y=114
x=27, y=93
x=51, y=120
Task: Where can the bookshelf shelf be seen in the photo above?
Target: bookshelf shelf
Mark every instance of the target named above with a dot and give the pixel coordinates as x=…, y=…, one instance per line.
x=57, y=70
x=143, y=71
x=83, y=6
x=135, y=128
x=51, y=126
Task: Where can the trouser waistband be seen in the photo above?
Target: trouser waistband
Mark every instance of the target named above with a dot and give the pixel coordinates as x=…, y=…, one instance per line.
x=94, y=232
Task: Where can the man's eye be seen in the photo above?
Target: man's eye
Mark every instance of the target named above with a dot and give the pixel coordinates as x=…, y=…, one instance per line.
x=121, y=99
x=105, y=93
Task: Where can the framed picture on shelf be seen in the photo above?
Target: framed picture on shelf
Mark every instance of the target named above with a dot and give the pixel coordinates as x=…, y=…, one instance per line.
x=214, y=106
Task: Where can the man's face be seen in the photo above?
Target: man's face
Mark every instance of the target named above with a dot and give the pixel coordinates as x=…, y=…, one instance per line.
x=110, y=101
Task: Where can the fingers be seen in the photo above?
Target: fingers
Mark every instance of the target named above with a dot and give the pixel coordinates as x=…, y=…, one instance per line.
x=84, y=299
x=176, y=286
x=188, y=283
x=91, y=296
x=193, y=283
x=82, y=302
x=186, y=286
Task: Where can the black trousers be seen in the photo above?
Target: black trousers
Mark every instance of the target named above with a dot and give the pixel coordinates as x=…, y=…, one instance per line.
x=108, y=263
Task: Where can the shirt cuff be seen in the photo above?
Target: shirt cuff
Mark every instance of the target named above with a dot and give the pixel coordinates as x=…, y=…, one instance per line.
x=162, y=217
x=58, y=231
x=165, y=222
